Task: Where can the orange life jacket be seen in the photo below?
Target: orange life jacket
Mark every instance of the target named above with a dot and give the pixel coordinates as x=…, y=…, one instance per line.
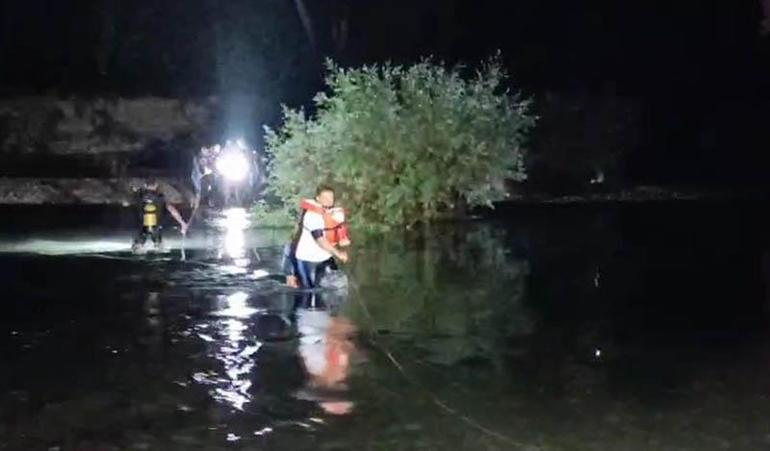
x=335, y=225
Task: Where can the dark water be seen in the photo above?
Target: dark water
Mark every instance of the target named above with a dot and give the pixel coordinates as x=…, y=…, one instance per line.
x=557, y=328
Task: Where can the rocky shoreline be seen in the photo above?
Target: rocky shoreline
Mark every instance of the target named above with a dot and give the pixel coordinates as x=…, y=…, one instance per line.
x=635, y=194
x=84, y=191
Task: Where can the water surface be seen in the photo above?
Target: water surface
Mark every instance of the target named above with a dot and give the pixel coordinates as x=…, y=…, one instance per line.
x=554, y=328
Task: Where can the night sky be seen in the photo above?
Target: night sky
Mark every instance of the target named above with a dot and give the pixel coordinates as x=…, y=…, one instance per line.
x=700, y=68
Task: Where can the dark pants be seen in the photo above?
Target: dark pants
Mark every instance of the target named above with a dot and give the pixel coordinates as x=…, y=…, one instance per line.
x=154, y=233
x=289, y=261
x=310, y=273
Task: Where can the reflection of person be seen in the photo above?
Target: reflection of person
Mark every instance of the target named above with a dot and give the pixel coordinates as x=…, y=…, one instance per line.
x=321, y=231
x=325, y=347
x=153, y=337
x=152, y=204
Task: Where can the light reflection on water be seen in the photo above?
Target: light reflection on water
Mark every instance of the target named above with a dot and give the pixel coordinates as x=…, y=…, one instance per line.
x=324, y=349
x=234, y=349
x=233, y=225
x=529, y=367
x=236, y=306
x=234, y=222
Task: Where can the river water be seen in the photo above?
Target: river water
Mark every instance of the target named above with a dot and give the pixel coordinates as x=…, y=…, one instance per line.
x=612, y=327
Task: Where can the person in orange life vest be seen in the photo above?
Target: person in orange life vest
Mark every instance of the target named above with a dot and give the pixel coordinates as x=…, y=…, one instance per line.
x=335, y=231
x=320, y=235
x=335, y=225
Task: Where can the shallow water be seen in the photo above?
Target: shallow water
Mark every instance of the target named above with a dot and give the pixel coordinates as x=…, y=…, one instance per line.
x=555, y=328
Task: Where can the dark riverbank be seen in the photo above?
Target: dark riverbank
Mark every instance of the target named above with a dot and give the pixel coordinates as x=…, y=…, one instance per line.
x=118, y=191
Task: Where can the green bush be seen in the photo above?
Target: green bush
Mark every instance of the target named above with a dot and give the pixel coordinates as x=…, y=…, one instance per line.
x=402, y=145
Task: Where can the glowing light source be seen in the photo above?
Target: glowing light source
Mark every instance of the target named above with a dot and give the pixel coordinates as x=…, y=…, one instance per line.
x=233, y=165
x=234, y=244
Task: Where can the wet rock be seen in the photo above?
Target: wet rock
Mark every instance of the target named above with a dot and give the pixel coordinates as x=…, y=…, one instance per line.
x=96, y=126
x=43, y=139
x=63, y=191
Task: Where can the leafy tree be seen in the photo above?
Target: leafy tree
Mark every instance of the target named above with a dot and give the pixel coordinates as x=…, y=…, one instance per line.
x=402, y=144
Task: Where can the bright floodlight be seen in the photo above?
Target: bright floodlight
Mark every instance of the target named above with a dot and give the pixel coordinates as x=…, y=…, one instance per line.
x=233, y=166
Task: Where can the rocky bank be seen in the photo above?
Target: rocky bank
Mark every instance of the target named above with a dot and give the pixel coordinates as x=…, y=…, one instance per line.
x=97, y=150
x=70, y=191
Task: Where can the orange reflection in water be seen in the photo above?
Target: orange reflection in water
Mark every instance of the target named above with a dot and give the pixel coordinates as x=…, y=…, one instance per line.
x=326, y=347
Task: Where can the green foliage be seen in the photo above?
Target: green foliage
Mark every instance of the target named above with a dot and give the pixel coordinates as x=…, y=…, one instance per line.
x=274, y=217
x=403, y=145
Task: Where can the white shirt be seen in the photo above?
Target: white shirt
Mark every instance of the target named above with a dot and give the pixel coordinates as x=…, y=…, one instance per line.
x=307, y=248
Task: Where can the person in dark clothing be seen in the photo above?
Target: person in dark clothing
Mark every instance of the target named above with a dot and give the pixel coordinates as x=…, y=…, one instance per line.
x=202, y=173
x=152, y=205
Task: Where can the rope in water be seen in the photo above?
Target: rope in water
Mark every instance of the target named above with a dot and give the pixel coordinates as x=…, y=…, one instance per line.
x=438, y=402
